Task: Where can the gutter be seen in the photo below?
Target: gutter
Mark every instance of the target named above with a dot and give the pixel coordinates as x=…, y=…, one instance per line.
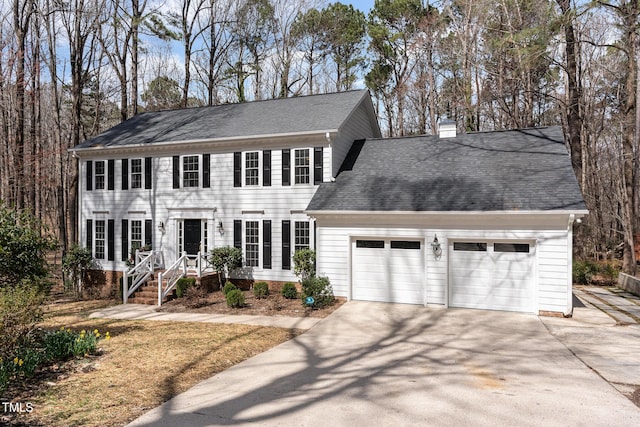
x=573, y=213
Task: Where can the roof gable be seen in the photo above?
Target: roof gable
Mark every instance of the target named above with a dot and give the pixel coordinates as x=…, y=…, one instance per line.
x=271, y=117
x=517, y=170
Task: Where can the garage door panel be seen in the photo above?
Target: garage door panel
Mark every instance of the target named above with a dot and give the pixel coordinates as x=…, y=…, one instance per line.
x=500, y=278
x=388, y=274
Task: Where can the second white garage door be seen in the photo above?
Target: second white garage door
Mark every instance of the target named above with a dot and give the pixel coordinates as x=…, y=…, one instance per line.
x=388, y=270
x=492, y=275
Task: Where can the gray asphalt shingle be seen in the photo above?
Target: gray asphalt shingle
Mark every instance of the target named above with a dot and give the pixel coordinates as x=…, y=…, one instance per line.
x=278, y=116
x=516, y=170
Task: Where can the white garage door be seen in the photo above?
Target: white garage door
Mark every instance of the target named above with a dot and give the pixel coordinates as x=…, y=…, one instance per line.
x=492, y=275
x=388, y=270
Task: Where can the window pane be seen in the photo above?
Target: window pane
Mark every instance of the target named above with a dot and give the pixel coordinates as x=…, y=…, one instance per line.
x=190, y=171
x=401, y=244
x=301, y=235
x=136, y=235
x=136, y=173
x=252, y=243
x=302, y=166
x=375, y=244
x=99, y=173
x=251, y=168
x=100, y=237
x=511, y=247
x=469, y=246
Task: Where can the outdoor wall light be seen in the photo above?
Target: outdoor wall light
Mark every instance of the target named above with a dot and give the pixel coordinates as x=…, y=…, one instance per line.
x=435, y=246
x=220, y=228
x=161, y=227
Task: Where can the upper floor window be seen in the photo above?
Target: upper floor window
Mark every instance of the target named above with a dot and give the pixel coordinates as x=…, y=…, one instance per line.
x=251, y=168
x=100, y=175
x=301, y=235
x=301, y=169
x=190, y=171
x=136, y=173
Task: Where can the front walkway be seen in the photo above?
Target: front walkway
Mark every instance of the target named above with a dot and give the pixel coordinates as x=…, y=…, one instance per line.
x=148, y=312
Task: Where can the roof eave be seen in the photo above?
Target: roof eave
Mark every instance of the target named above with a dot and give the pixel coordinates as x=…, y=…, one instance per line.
x=220, y=142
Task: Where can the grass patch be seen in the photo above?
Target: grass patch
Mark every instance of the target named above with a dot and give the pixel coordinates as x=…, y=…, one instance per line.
x=144, y=364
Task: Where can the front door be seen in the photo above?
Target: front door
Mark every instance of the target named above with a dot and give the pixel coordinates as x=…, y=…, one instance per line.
x=192, y=235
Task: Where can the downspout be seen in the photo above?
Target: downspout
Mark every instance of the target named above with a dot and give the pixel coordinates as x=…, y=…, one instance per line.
x=569, y=311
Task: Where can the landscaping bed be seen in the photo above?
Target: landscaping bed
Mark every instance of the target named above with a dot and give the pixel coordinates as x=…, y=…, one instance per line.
x=273, y=305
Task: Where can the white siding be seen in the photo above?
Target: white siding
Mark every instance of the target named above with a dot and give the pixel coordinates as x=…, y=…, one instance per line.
x=221, y=202
x=552, y=268
x=357, y=126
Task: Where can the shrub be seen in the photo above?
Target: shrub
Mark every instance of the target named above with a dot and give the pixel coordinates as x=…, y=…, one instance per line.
x=320, y=289
x=225, y=259
x=228, y=287
x=183, y=284
x=304, y=263
x=610, y=271
x=20, y=311
x=289, y=291
x=261, y=290
x=235, y=298
x=583, y=271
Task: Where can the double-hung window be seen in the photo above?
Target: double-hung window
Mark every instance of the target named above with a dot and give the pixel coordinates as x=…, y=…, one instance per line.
x=252, y=243
x=101, y=234
x=190, y=171
x=136, y=173
x=301, y=164
x=301, y=235
x=100, y=175
x=251, y=168
x=136, y=235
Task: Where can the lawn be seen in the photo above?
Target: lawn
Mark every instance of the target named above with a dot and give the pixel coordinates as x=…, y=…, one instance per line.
x=144, y=364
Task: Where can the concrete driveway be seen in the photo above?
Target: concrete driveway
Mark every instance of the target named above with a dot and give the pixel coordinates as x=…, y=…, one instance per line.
x=371, y=364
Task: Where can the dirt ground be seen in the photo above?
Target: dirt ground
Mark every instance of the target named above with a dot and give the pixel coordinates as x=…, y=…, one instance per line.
x=273, y=305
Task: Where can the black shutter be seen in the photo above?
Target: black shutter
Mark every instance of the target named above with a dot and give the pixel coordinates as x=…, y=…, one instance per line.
x=286, y=167
x=147, y=173
x=111, y=170
x=111, y=240
x=148, y=233
x=266, y=168
x=266, y=244
x=125, y=174
x=206, y=170
x=125, y=239
x=286, y=245
x=237, y=169
x=89, y=175
x=176, y=171
x=317, y=165
x=90, y=235
x=237, y=233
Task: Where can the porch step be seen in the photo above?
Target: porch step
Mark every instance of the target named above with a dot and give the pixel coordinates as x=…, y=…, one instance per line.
x=148, y=294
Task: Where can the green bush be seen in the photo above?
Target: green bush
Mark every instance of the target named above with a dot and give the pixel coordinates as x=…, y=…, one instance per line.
x=20, y=311
x=228, y=287
x=304, y=263
x=183, y=284
x=320, y=289
x=225, y=259
x=235, y=298
x=261, y=290
x=289, y=291
x=610, y=271
x=75, y=263
x=583, y=271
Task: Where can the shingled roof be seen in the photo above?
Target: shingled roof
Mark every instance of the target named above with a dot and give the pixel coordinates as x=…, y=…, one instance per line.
x=304, y=114
x=516, y=170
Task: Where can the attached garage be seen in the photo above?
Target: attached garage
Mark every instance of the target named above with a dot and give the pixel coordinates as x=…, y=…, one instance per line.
x=492, y=275
x=388, y=270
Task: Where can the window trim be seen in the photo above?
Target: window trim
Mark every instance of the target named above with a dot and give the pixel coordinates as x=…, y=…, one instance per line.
x=100, y=241
x=255, y=169
x=102, y=175
x=251, y=261
x=296, y=237
x=133, y=174
x=298, y=177
x=195, y=172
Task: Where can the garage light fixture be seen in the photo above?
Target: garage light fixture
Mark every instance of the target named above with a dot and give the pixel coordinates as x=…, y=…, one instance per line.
x=435, y=246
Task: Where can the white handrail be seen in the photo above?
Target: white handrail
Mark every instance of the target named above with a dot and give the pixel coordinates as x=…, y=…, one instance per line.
x=175, y=272
x=139, y=273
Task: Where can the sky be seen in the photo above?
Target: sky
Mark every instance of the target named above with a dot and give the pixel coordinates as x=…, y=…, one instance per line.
x=363, y=5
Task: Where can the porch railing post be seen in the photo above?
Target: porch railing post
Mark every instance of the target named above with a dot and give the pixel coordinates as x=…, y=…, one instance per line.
x=160, y=289
x=125, y=287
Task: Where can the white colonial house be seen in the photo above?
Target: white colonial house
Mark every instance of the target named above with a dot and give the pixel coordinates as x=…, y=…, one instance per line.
x=479, y=220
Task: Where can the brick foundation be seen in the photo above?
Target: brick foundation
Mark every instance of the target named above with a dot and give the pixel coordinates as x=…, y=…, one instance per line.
x=552, y=314
x=103, y=284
